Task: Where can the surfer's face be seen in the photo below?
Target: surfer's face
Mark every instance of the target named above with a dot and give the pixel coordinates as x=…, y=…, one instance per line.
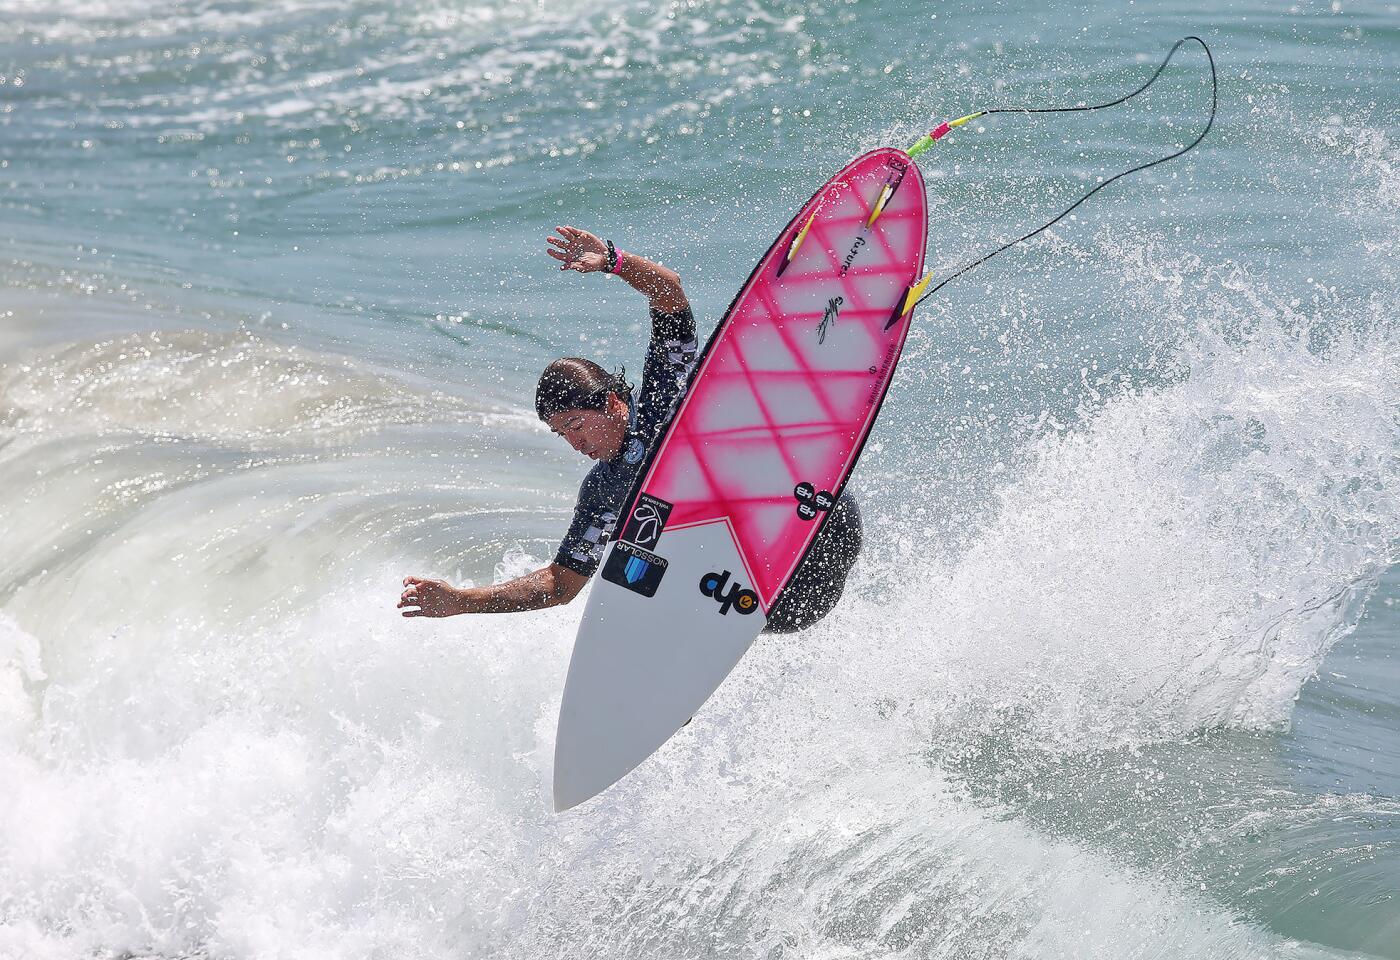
x=597, y=434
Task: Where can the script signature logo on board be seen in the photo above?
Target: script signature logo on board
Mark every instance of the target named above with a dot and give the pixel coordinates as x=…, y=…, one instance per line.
x=833, y=313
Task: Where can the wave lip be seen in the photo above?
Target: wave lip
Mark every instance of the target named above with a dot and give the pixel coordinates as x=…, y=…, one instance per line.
x=231, y=388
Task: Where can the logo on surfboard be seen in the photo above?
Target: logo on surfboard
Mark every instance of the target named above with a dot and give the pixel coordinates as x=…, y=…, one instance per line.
x=851, y=255
x=635, y=569
x=833, y=312
x=745, y=601
x=647, y=521
x=810, y=500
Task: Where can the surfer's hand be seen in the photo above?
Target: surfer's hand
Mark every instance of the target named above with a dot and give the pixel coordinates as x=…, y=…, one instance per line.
x=578, y=250
x=433, y=598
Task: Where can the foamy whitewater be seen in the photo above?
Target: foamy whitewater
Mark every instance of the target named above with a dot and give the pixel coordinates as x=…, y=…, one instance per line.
x=1115, y=676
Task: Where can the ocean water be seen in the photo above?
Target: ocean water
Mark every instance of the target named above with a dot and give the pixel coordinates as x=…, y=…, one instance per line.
x=1115, y=677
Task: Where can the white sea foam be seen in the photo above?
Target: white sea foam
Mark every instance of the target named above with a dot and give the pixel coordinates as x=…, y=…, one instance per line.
x=331, y=781
x=343, y=786
x=218, y=739
x=1185, y=556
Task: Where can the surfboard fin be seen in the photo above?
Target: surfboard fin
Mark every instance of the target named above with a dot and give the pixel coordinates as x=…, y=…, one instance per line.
x=885, y=195
x=906, y=303
x=796, y=243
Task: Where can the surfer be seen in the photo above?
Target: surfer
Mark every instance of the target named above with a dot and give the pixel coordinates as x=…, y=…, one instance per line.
x=601, y=417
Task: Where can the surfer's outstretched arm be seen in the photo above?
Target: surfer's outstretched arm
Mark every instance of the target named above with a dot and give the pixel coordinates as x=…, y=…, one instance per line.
x=546, y=587
x=585, y=252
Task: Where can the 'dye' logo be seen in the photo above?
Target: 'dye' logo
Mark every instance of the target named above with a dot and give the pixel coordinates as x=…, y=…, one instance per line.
x=745, y=601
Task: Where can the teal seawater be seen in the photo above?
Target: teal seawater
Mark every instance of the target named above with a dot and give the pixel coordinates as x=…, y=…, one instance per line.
x=1115, y=677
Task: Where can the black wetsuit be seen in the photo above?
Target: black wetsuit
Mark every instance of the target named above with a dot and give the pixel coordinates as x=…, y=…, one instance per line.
x=671, y=355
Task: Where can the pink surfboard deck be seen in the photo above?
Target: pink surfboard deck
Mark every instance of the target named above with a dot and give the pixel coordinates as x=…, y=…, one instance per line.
x=778, y=409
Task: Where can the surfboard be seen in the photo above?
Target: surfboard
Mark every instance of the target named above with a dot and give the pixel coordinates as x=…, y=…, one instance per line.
x=760, y=447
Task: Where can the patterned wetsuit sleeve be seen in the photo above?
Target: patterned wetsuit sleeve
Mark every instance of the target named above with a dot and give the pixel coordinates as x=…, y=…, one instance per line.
x=595, y=516
x=670, y=358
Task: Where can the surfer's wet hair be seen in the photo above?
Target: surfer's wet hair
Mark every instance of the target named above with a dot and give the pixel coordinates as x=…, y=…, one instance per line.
x=572, y=383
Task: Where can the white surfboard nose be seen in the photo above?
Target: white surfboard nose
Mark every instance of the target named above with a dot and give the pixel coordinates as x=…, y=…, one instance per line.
x=642, y=666
x=591, y=756
x=601, y=739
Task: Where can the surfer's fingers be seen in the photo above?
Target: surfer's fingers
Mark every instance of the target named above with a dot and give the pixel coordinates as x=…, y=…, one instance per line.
x=583, y=237
x=412, y=613
x=558, y=255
